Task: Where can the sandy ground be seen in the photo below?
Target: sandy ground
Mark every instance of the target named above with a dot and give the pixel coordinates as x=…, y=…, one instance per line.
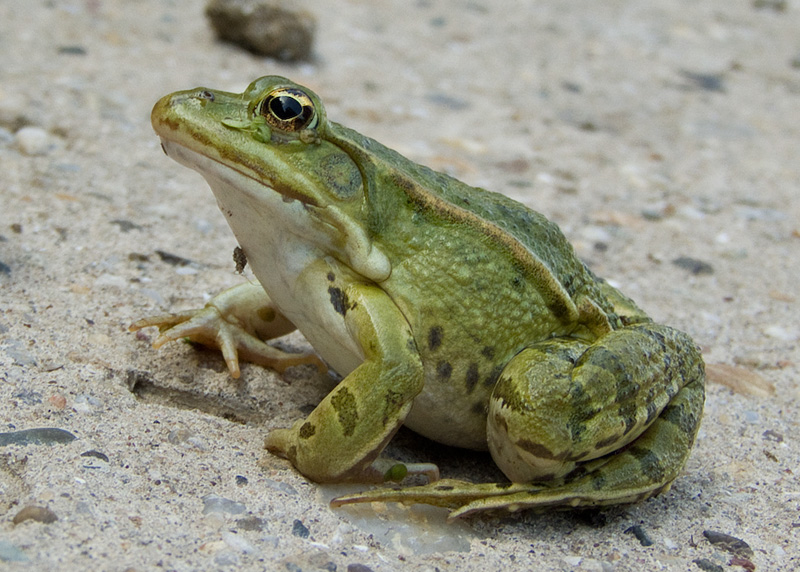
x=650, y=131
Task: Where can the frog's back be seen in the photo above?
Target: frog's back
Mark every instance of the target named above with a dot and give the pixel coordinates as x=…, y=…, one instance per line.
x=539, y=248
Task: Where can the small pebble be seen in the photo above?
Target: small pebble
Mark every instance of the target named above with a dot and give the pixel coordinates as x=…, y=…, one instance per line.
x=57, y=401
x=358, y=568
x=86, y=403
x=729, y=543
x=186, y=438
x=37, y=513
x=707, y=566
x=215, y=504
x=95, y=454
x=281, y=487
x=41, y=436
x=640, y=535
x=696, y=267
x=272, y=28
x=299, y=529
x=251, y=523
x=33, y=141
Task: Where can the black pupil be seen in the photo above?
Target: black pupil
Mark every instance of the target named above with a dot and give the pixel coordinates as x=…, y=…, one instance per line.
x=285, y=108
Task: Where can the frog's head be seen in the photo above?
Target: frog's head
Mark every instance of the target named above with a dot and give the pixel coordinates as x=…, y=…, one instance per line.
x=273, y=138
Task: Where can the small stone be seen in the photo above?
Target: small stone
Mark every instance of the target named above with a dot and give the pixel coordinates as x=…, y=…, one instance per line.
x=57, y=401
x=215, y=504
x=272, y=28
x=85, y=403
x=640, y=535
x=186, y=438
x=735, y=546
x=95, y=454
x=33, y=141
x=281, y=487
x=358, y=568
x=241, y=480
x=251, y=523
x=299, y=529
x=696, y=267
x=41, y=436
x=707, y=566
x=38, y=513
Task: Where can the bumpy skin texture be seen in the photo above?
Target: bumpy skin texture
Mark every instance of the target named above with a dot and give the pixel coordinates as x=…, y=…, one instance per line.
x=454, y=310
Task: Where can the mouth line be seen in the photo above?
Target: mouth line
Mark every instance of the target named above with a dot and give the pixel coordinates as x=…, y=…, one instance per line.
x=181, y=153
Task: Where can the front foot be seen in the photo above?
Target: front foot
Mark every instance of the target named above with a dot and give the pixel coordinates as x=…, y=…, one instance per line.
x=236, y=322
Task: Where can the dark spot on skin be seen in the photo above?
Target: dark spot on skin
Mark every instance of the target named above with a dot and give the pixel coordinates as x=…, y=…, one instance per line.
x=445, y=488
x=488, y=352
x=338, y=300
x=481, y=408
x=628, y=413
x=579, y=472
x=576, y=428
x=682, y=417
x=539, y=450
x=392, y=403
x=331, y=276
x=650, y=464
x=472, y=377
x=603, y=443
x=344, y=404
x=578, y=457
x=492, y=378
x=444, y=370
x=652, y=412
x=306, y=430
x=598, y=482
x=503, y=486
x=435, y=338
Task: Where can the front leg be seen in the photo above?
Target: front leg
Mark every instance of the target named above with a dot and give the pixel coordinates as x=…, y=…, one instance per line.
x=341, y=439
x=236, y=321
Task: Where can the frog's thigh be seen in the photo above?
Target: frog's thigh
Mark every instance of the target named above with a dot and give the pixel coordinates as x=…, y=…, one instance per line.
x=563, y=402
x=346, y=432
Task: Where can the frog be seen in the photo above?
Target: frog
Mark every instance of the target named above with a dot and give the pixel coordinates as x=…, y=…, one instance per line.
x=450, y=309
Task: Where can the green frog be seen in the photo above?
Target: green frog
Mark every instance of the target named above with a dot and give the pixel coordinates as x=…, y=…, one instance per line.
x=453, y=310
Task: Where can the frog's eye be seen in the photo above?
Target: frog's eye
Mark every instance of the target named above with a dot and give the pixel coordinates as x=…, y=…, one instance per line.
x=288, y=110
